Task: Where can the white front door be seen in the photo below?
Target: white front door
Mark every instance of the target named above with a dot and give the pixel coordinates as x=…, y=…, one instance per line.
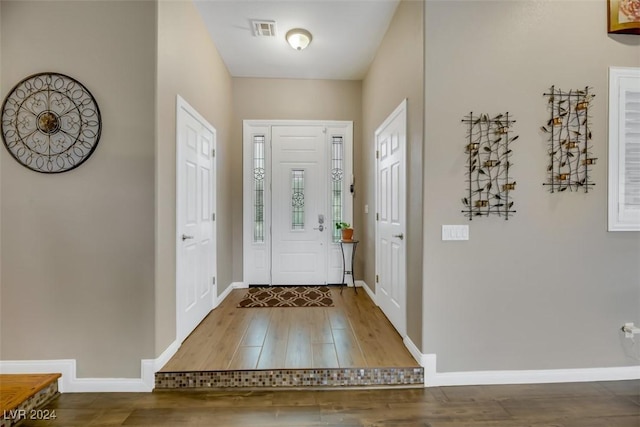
x=195, y=198
x=300, y=227
x=296, y=174
x=391, y=138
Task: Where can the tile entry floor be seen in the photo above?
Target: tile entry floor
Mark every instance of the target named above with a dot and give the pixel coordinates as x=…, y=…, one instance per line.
x=352, y=334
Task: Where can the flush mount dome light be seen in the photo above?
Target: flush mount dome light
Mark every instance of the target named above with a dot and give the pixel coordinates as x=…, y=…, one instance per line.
x=298, y=38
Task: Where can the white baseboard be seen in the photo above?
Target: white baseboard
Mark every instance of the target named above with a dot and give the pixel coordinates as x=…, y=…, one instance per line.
x=413, y=349
x=227, y=291
x=539, y=376
x=149, y=367
x=70, y=383
x=433, y=378
x=372, y=295
x=66, y=367
x=239, y=285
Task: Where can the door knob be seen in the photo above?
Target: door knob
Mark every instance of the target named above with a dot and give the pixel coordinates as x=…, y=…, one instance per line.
x=399, y=236
x=185, y=237
x=320, y=227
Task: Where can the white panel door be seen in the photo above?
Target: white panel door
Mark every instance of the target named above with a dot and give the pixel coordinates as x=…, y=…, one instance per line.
x=391, y=218
x=195, y=269
x=300, y=228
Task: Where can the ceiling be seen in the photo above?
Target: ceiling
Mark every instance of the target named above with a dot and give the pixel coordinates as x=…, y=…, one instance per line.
x=346, y=36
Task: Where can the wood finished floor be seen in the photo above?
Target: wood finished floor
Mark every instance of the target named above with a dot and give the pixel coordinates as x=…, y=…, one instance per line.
x=17, y=388
x=602, y=404
x=353, y=333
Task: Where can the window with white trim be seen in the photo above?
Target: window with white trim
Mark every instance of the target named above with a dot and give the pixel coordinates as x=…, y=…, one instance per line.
x=624, y=149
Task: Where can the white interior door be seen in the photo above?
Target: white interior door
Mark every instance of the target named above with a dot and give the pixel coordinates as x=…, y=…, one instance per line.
x=300, y=228
x=391, y=139
x=195, y=198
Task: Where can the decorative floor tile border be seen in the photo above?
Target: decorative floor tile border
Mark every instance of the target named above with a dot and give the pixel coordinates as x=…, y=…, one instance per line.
x=27, y=410
x=345, y=377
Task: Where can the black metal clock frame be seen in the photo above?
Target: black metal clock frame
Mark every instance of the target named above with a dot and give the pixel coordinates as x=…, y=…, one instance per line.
x=51, y=123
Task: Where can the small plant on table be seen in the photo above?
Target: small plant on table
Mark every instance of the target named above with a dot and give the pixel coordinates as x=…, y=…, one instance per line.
x=347, y=231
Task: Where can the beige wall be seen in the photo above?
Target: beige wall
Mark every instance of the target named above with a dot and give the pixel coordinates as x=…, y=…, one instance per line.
x=188, y=65
x=395, y=74
x=77, y=247
x=88, y=256
x=551, y=287
x=286, y=99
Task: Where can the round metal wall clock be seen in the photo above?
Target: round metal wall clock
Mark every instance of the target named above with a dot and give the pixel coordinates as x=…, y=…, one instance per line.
x=50, y=123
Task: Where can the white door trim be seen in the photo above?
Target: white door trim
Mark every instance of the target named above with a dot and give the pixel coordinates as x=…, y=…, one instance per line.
x=257, y=256
x=182, y=107
x=400, y=325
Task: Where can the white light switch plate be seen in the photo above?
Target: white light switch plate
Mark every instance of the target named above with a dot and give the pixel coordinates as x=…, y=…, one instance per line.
x=455, y=232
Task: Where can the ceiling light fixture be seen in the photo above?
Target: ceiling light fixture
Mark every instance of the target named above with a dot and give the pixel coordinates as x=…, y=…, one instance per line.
x=298, y=38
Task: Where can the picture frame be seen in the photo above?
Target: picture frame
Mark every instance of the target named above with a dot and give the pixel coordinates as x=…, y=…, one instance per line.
x=623, y=16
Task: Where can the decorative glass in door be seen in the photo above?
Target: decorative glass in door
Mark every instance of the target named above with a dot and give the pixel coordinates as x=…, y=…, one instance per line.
x=297, y=199
x=337, y=183
x=258, y=188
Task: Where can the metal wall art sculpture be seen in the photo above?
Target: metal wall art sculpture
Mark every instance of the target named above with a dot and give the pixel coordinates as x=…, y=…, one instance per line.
x=489, y=183
x=570, y=156
x=50, y=123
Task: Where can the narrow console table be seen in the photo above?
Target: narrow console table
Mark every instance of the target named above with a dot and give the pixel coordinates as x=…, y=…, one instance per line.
x=354, y=244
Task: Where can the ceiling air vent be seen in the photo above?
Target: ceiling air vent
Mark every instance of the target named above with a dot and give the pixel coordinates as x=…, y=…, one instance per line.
x=264, y=28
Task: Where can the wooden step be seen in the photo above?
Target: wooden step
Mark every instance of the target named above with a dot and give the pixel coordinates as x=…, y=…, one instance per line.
x=20, y=394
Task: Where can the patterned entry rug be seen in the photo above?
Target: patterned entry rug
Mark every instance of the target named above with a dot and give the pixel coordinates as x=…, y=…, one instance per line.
x=287, y=296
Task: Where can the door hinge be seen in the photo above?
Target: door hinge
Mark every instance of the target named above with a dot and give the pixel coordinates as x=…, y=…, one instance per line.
x=377, y=216
x=377, y=154
x=377, y=278
x=213, y=217
x=214, y=280
x=213, y=152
